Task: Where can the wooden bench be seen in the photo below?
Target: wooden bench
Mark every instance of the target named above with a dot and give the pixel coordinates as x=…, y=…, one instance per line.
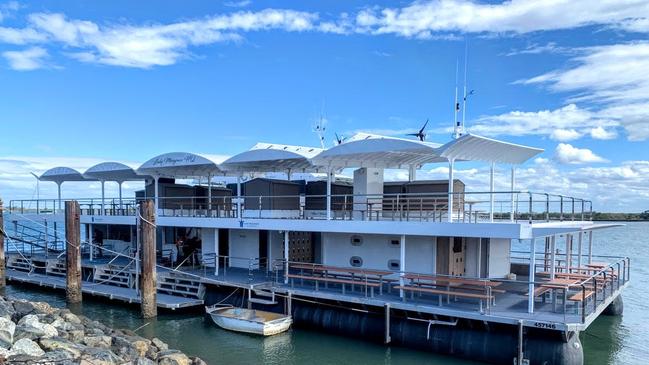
x=318, y=279
x=581, y=296
x=448, y=293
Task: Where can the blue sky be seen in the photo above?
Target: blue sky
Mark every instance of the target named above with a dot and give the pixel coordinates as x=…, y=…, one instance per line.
x=82, y=82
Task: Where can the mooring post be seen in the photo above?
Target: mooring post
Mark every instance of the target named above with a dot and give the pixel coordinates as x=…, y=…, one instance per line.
x=148, y=274
x=387, y=338
x=2, y=247
x=73, y=252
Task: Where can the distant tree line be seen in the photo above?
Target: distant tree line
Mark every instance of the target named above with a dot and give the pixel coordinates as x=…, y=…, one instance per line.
x=600, y=216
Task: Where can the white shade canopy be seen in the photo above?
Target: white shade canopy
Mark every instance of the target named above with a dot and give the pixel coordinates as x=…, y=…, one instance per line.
x=272, y=157
x=470, y=147
x=113, y=171
x=181, y=165
x=62, y=174
x=369, y=150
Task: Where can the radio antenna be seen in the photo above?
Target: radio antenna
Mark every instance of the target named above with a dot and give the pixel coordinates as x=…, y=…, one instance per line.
x=319, y=127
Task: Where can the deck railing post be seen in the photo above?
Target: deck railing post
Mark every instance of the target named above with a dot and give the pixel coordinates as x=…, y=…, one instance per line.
x=73, y=252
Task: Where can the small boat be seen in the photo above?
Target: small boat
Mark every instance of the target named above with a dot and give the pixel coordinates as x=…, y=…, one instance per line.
x=249, y=320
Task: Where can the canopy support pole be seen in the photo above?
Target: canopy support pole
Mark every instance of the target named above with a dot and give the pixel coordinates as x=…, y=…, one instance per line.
x=451, y=163
x=103, y=197
x=119, y=183
x=412, y=173
x=209, y=195
x=155, y=193
x=329, y=194
x=491, y=191
x=239, y=197
x=59, y=188
x=532, y=272
x=288, y=174
x=513, y=186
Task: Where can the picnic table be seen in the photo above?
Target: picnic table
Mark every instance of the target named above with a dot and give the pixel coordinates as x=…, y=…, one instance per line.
x=354, y=272
x=554, y=285
x=454, y=282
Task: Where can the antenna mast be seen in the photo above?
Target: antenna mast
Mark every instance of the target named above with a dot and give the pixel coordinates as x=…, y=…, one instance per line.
x=456, y=106
x=466, y=55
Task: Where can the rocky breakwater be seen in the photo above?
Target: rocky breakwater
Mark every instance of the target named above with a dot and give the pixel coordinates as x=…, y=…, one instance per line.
x=37, y=333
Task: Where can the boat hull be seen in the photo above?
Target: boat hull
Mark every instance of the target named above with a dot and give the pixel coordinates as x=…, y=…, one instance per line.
x=250, y=321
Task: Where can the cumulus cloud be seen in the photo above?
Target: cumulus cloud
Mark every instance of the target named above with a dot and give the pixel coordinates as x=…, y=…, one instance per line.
x=422, y=19
x=26, y=60
x=568, y=154
x=613, y=79
x=567, y=123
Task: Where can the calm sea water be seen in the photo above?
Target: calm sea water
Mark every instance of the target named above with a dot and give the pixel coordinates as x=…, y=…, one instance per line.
x=610, y=340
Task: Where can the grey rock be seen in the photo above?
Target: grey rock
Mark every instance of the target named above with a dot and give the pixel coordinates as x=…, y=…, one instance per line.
x=198, y=361
x=76, y=335
x=61, y=325
x=22, y=308
x=30, y=327
x=103, y=342
x=71, y=318
x=7, y=330
x=159, y=344
x=24, y=359
x=173, y=358
x=43, y=308
x=144, y=361
x=100, y=357
x=25, y=346
x=6, y=309
x=57, y=343
x=59, y=357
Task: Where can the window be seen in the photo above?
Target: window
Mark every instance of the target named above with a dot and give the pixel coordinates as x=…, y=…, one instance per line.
x=394, y=265
x=457, y=244
x=356, y=240
x=395, y=242
x=356, y=261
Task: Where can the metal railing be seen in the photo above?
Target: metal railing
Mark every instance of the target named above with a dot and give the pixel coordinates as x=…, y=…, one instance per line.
x=468, y=207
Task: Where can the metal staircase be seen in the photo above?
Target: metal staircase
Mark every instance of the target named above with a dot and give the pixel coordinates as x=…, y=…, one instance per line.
x=117, y=275
x=263, y=295
x=178, y=284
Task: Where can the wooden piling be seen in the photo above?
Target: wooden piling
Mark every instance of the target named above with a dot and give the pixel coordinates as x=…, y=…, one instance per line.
x=2, y=247
x=148, y=281
x=73, y=252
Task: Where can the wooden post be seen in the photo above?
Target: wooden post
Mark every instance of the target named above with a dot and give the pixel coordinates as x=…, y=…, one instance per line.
x=2, y=247
x=73, y=252
x=148, y=274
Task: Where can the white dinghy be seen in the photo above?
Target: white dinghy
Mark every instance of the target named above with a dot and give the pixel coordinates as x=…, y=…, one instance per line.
x=249, y=320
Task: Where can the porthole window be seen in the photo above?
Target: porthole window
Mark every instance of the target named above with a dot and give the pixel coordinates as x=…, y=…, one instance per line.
x=356, y=261
x=356, y=240
x=395, y=242
x=394, y=265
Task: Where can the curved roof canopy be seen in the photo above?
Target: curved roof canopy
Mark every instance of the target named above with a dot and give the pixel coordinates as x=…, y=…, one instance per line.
x=470, y=147
x=270, y=157
x=113, y=171
x=181, y=165
x=368, y=150
x=62, y=174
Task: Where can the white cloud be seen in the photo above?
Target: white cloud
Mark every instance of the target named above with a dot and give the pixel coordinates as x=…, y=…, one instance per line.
x=29, y=59
x=237, y=4
x=423, y=18
x=8, y=8
x=614, y=79
x=563, y=124
x=601, y=133
x=568, y=154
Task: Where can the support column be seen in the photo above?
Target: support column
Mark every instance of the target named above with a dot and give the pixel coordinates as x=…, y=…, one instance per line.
x=217, y=244
x=579, y=251
x=553, y=256
x=73, y=252
x=239, y=198
x=209, y=195
x=90, y=241
x=450, y=189
x=329, y=195
x=148, y=267
x=479, y=270
x=412, y=173
x=402, y=263
x=512, y=214
x=103, y=198
x=590, y=247
x=491, y=191
x=119, y=184
x=3, y=282
x=286, y=257
x=568, y=263
x=155, y=193
x=58, y=184
x=532, y=272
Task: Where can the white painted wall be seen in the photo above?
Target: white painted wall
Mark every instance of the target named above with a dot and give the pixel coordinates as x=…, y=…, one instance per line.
x=244, y=244
x=377, y=250
x=209, y=242
x=499, y=257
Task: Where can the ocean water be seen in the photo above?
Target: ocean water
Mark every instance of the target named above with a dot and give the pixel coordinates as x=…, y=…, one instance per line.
x=609, y=340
